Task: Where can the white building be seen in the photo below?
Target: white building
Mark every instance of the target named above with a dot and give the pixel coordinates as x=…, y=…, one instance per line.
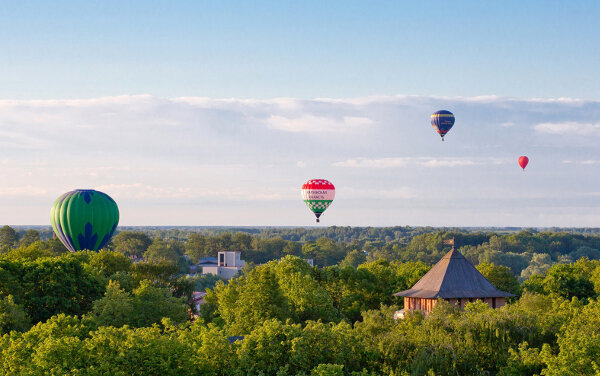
x=228, y=265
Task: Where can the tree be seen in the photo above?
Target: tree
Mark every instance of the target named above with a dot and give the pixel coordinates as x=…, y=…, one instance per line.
x=578, y=343
x=131, y=243
x=146, y=306
x=501, y=277
x=170, y=251
x=540, y=262
x=31, y=252
x=116, y=308
x=30, y=237
x=55, y=246
x=195, y=247
x=12, y=316
x=8, y=238
x=568, y=281
x=161, y=272
x=245, y=302
x=584, y=251
x=58, y=285
x=109, y=263
x=353, y=259
x=242, y=241
x=324, y=251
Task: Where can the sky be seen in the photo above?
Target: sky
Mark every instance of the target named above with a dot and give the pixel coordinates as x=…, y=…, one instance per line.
x=215, y=113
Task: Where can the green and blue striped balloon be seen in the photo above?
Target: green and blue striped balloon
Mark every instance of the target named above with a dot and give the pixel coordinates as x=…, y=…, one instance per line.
x=84, y=219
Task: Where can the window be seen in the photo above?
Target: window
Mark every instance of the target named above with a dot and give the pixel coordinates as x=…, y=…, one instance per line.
x=221, y=259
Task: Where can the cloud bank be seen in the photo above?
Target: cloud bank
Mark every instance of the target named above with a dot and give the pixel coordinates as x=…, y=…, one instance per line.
x=204, y=161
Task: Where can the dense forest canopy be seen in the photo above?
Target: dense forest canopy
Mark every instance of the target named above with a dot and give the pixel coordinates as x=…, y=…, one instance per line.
x=128, y=309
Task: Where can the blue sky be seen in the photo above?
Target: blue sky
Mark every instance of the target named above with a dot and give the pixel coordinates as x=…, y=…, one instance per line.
x=215, y=113
x=266, y=49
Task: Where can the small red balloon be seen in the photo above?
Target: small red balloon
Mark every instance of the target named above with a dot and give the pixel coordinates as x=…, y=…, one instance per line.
x=523, y=160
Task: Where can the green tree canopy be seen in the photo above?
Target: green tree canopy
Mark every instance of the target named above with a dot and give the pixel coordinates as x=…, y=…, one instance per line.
x=8, y=238
x=131, y=243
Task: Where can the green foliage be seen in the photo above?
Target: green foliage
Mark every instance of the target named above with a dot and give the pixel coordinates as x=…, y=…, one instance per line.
x=55, y=285
x=30, y=237
x=324, y=252
x=171, y=251
x=8, y=238
x=501, y=277
x=147, y=305
x=578, y=345
x=297, y=319
x=540, y=263
x=244, y=303
x=328, y=370
x=391, y=277
x=354, y=259
x=203, y=282
x=567, y=280
x=12, y=316
x=523, y=361
x=131, y=243
x=161, y=272
x=109, y=263
x=116, y=308
x=196, y=247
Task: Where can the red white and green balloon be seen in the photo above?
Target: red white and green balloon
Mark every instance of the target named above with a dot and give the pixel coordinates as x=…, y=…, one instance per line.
x=318, y=195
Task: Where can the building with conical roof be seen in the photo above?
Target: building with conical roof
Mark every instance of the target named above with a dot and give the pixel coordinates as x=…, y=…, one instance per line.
x=453, y=279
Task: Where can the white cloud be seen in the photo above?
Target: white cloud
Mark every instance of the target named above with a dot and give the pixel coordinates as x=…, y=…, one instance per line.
x=23, y=191
x=407, y=161
x=583, y=162
x=253, y=154
x=373, y=163
x=568, y=128
x=448, y=163
x=317, y=124
x=401, y=193
x=140, y=191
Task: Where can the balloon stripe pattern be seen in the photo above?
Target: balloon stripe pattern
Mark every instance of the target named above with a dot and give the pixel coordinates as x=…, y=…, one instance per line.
x=84, y=219
x=318, y=194
x=442, y=122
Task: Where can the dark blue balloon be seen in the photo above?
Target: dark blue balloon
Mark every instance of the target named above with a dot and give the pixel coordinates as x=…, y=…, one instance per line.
x=442, y=121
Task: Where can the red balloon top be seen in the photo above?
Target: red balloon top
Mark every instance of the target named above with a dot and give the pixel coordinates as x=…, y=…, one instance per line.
x=523, y=160
x=318, y=184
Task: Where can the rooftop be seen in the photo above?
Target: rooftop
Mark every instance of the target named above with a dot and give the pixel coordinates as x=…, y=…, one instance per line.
x=453, y=277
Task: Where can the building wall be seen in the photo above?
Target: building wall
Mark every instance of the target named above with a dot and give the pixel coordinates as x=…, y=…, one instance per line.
x=222, y=271
x=427, y=305
x=230, y=259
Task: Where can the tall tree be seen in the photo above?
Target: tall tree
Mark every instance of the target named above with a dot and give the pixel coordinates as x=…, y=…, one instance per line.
x=195, y=247
x=131, y=243
x=8, y=238
x=30, y=237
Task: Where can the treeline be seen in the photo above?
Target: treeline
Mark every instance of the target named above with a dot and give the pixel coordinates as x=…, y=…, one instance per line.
x=526, y=253
x=128, y=309
x=101, y=313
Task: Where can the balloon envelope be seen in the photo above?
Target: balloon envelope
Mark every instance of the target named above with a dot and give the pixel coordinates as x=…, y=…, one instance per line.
x=523, y=160
x=442, y=122
x=318, y=195
x=84, y=219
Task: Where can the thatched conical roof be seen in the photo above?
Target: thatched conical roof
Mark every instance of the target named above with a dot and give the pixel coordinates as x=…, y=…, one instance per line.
x=453, y=277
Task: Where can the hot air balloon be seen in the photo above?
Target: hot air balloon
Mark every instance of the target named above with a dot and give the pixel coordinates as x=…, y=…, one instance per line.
x=523, y=160
x=318, y=195
x=442, y=121
x=84, y=219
